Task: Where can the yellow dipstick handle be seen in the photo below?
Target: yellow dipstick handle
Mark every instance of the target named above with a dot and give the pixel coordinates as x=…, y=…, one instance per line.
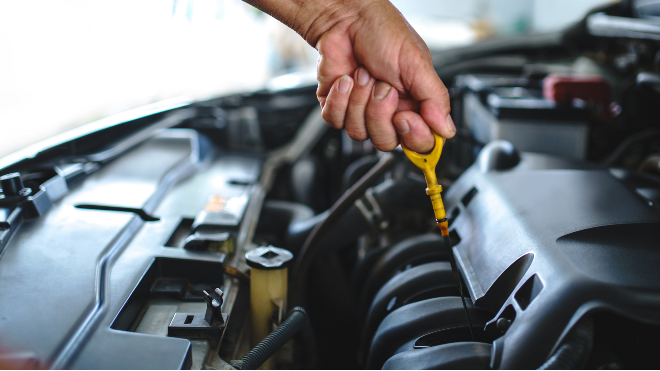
x=427, y=163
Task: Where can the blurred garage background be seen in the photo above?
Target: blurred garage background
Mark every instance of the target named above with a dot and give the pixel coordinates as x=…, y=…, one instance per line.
x=64, y=63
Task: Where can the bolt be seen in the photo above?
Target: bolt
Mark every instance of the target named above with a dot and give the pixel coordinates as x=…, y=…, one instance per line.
x=503, y=324
x=12, y=184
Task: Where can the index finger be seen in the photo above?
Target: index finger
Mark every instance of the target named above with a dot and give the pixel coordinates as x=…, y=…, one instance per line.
x=334, y=61
x=433, y=97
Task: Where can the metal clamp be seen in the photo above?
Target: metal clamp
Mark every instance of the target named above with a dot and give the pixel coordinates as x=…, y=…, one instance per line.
x=209, y=325
x=371, y=211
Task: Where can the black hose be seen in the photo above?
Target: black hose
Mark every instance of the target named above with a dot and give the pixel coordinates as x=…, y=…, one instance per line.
x=633, y=139
x=275, y=341
x=573, y=354
x=356, y=170
x=310, y=248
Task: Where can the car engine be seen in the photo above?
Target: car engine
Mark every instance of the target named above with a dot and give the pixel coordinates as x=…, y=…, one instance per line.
x=242, y=232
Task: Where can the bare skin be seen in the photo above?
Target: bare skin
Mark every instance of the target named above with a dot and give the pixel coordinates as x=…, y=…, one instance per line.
x=375, y=74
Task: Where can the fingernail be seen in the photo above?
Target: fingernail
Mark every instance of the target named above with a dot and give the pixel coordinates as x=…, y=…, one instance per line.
x=450, y=124
x=344, y=84
x=381, y=89
x=363, y=77
x=402, y=126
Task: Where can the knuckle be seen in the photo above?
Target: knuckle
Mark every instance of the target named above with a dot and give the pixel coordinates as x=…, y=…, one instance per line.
x=357, y=133
x=385, y=144
x=373, y=113
x=360, y=95
x=443, y=95
x=355, y=125
x=330, y=120
x=358, y=100
x=385, y=147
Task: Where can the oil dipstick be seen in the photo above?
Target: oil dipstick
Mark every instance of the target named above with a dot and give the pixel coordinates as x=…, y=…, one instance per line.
x=427, y=163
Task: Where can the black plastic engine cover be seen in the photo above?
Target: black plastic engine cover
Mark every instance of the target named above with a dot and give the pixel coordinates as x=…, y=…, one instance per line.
x=455, y=356
x=415, y=320
x=67, y=277
x=547, y=241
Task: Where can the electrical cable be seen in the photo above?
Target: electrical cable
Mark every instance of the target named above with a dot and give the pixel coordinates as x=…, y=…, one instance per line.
x=275, y=340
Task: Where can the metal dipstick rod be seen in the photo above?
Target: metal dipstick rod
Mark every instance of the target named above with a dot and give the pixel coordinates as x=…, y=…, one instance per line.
x=427, y=163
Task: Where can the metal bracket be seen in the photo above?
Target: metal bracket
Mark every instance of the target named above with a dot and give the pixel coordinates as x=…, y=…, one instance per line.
x=371, y=211
x=210, y=325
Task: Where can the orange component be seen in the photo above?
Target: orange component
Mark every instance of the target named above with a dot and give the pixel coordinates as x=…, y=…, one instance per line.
x=444, y=228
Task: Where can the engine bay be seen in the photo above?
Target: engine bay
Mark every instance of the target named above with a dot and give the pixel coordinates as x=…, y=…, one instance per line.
x=242, y=232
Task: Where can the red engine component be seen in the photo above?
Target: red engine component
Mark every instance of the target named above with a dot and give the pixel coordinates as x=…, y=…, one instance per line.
x=593, y=90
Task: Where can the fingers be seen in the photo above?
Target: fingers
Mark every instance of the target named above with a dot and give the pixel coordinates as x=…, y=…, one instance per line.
x=413, y=131
x=380, y=110
x=370, y=109
x=335, y=60
x=407, y=104
x=356, y=126
x=336, y=103
x=431, y=93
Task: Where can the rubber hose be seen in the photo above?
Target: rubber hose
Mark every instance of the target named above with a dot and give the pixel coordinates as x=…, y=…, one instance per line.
x=574, y=352
x=276, y=340
x=311, y=246
x=621, y=149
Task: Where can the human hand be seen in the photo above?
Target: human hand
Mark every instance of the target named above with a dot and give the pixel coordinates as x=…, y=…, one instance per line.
x=361, y=58
x=376, y=76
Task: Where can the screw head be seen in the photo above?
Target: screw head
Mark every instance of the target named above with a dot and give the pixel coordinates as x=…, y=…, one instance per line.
x=503, y=324
x=12, y=185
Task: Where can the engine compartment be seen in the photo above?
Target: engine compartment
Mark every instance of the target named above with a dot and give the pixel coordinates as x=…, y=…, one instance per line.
x=181, y=234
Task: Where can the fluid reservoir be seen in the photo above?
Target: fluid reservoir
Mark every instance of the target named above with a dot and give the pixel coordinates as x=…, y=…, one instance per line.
x=268, y=290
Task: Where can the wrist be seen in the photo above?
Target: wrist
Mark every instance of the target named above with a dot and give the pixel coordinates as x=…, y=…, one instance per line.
x=312, y=18
x=317, y=17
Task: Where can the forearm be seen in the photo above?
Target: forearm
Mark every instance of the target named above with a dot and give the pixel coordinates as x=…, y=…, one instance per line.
x=311, y=18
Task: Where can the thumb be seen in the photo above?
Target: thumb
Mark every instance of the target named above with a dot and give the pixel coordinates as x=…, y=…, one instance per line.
x=433, y=97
